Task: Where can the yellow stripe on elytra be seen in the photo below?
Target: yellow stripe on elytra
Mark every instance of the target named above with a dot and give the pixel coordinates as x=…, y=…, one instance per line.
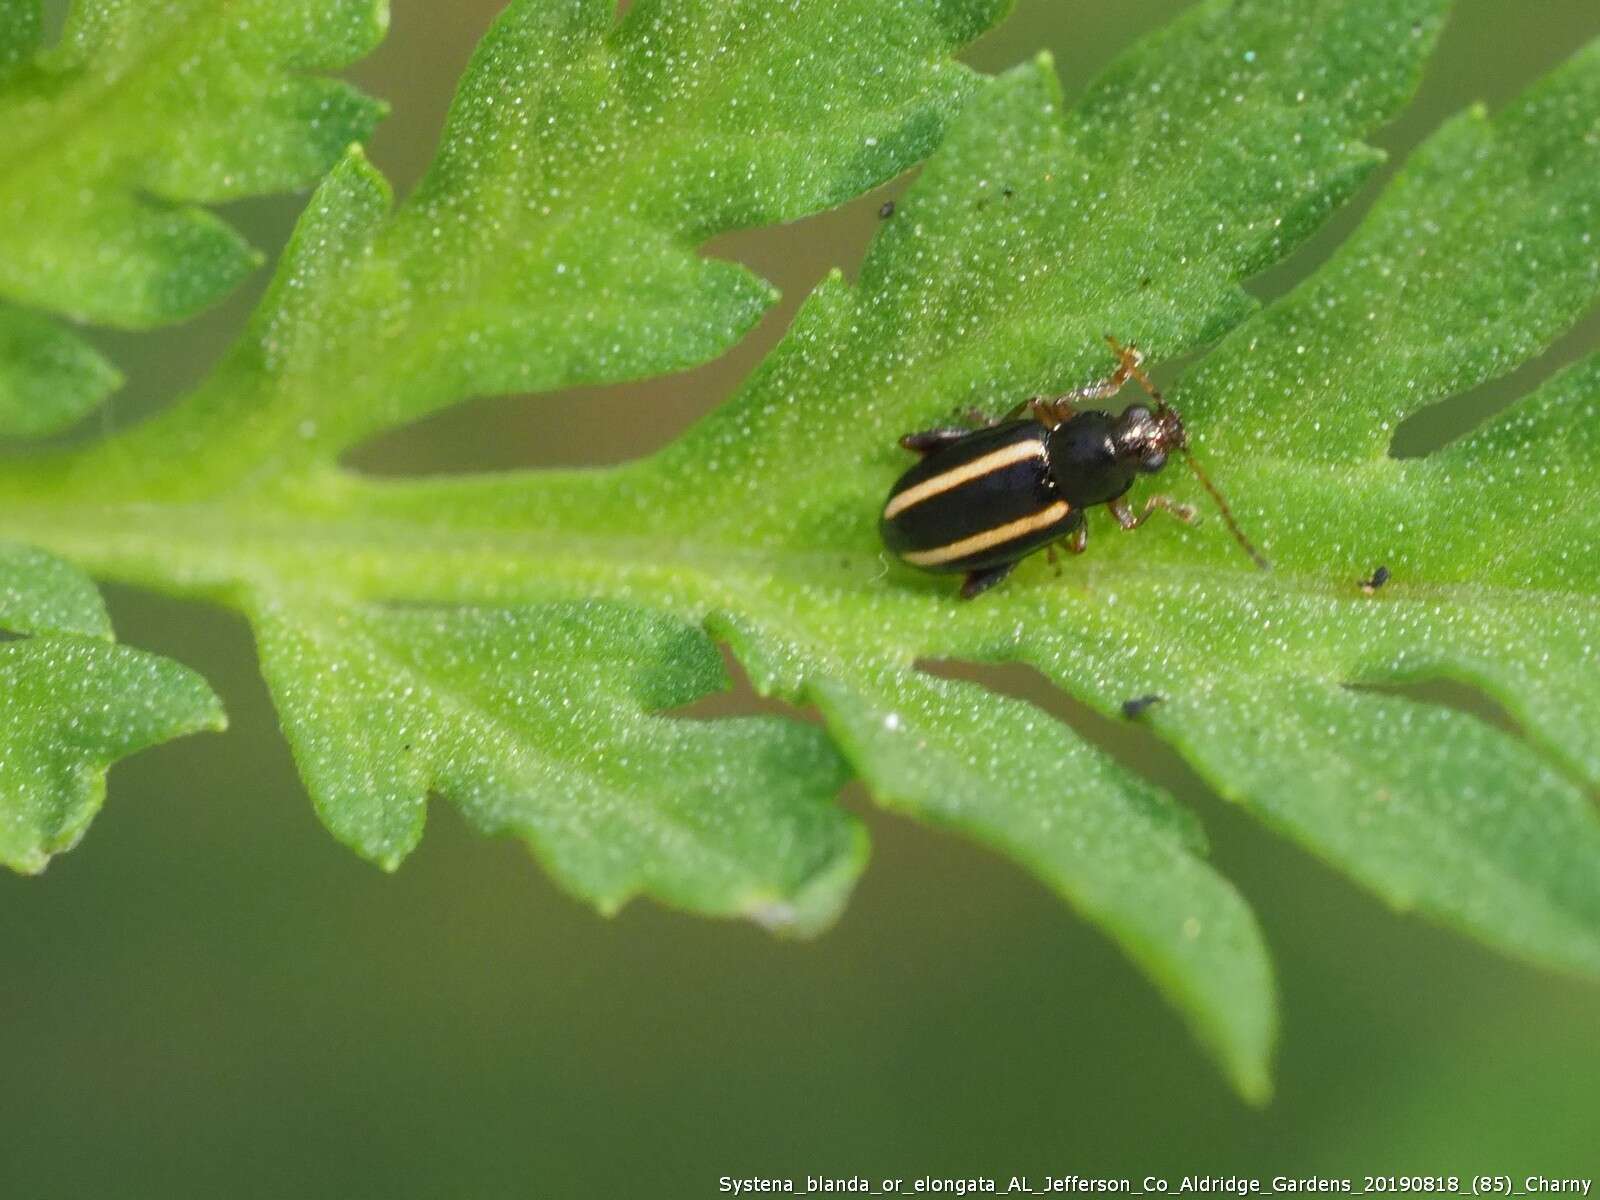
x=966, y=472
x=990, y=538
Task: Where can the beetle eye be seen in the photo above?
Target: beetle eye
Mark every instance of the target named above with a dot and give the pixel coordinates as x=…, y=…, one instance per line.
x=1153, y=461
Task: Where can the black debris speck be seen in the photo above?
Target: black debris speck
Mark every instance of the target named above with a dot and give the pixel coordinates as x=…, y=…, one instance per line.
x=1135, y=707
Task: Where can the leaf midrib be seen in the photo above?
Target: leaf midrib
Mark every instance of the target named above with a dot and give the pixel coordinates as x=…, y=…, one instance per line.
x=202, y=549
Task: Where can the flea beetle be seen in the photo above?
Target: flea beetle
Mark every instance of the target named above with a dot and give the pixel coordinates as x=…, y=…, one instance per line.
x=980, y=500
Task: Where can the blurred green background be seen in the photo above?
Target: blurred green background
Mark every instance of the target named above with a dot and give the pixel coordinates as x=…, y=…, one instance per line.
x=209, y=997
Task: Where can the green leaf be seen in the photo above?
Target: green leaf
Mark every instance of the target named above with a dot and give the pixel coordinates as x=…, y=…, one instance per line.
x=42, y=594
x=533, y=722
x=49, y=378
x=553, y=244
x=69, y=707
x=1003, y=773
x=111, y=140
x=21, y=25
x=71, y=703
x=141, y=113
x=1480, y=254
x=114, y=137
x=553, y=241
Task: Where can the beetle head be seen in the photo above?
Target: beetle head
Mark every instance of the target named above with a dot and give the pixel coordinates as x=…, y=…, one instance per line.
x=1144, y=438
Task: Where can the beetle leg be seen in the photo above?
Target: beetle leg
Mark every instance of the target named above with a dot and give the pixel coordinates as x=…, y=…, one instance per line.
x=1065, y=405
x=1124, y=515
x=984, y=579
x=976, y=418
x=1047, y=410
x=983, y=421
x=1053, y=410
x=1133, y=359
x=1077, y=541
x=929, y=440
x=1044, y=409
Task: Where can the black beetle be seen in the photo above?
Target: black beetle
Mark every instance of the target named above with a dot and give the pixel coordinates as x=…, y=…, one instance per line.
x=982, y=499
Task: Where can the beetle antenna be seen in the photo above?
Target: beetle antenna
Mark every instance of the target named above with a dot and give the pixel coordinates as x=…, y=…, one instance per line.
x=1131, y=360
x=1227, y=513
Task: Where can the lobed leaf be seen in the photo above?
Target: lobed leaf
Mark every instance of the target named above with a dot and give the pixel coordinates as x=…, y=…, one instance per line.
x=553, y=244
x=552, y=241
x=49, y=378
x=115, y=137
x=1482, y=252
x=41, y=594
x=1477, y=257
x=69, y=707
x=1003, y=773
x=1003, y=263
x=533, y=722
x=143, y=112
x=71, y=703
x=21, y=27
